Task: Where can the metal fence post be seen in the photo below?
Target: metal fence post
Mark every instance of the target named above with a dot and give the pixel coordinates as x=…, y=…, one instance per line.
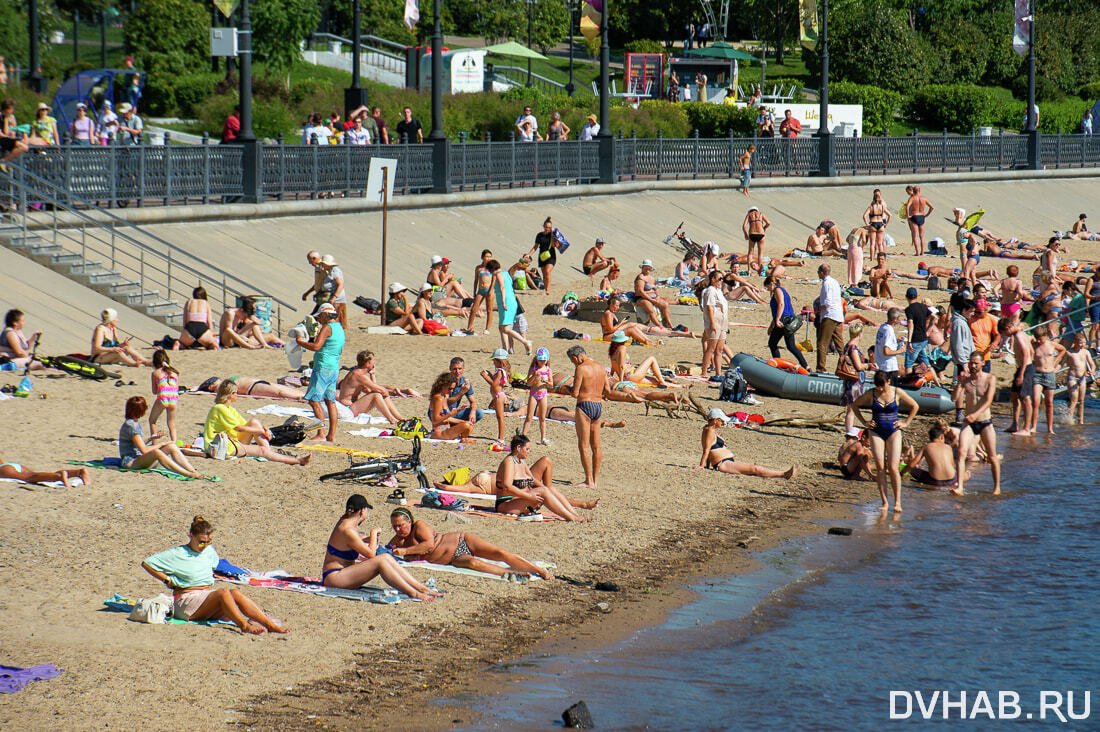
x=205, y=168
x=315, y=163
x=512, y=180
x=660, y=154
x=347, y=165
x=557, y=162
x=915, y=150
x=732, y=156
x=112, y=160
x=1001, y=148
x=167, y=169
x=489, y=158
x=282, y=168
x=973, y=151
x=67, y=161
x=943, y=156
x=1058, y=149
x=695, y=156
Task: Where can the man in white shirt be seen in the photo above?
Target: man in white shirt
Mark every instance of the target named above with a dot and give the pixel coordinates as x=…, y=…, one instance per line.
x=886, y=346
x=591, y=129
x=711, y=250
x=526, y=117
x=830, y=316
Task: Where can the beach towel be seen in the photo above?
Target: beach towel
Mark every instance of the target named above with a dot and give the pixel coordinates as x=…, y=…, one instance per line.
x=113, y=463
x=345, y=450
x=450, y=568
x=122, y=604
x=49, y=484
x=14, y=678
x=488, y=512
x=343, y=413
x=281, y=580
x=388, y=434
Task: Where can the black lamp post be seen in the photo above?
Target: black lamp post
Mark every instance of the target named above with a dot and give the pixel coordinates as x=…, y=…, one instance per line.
x=35, y=80
x=441, y=146
x=826, y=153
x=252, y=176
x=530, y=35
x=571, y=87
x=355, y=96
x=1031, y=125
x=604, y=136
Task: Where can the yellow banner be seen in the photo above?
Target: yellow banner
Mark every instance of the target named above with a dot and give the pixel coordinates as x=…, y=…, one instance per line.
x=226, y=6
x=807, y=15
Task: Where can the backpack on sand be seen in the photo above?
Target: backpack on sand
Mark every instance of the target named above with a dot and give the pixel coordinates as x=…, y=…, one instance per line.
x=734, y=387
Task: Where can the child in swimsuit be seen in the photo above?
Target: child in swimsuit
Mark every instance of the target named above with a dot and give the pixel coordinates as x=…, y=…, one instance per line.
x=165, y=382
x=539, y=379
x=498, y=380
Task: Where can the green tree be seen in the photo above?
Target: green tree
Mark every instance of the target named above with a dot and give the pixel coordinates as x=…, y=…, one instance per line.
x=550, y=23
x=382, y=18
x=661, y=20
x=13, y=34
x=871, y=43
x=278, y=27
x=776, y=22
x=168, y=37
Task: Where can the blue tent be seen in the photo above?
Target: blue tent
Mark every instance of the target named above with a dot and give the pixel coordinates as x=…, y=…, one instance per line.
x=1095, y=112
x=92, y=87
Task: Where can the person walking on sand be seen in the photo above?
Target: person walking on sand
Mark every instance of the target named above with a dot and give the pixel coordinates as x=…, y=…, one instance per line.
x=830, y=324
x=328, y=346
x=746, y=168
x=917, y=210
x=754, y=227
x=589, y=389
x=977, y=388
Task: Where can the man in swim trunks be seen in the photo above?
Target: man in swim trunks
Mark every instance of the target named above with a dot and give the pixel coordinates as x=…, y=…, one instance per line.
x=1012, y=330
x=976, y=389
x=646, y=298
x=917, y=209
x=589, y=389
x=754, y=228
x=855, y=456
x=880, y=276
x=594, y=260
x=1048, y=354
x=940, y=458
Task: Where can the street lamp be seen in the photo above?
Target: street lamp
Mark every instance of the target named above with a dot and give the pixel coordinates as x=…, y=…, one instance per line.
x=1031, y=122
x=35, y=81
x=572, y=5
x=530, y=35
x=826, y=155
x=355, y=96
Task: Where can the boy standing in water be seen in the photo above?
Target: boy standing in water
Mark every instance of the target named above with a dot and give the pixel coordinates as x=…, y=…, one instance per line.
x=1023, y=380
x=1047, y=355
x=976, y=388
x=1082, y=369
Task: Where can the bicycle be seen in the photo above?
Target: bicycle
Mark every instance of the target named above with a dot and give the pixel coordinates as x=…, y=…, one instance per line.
x=691, y=247
x=374, y=471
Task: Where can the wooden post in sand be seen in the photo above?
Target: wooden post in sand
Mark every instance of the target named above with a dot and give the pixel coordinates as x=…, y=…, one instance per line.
x=385, y=211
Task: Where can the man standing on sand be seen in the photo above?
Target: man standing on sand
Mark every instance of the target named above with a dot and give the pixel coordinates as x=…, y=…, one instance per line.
x=976, y=388
x=830, y=322
x=589, y=389
x=917, y=209
x=746, y=168
x=1023, y=380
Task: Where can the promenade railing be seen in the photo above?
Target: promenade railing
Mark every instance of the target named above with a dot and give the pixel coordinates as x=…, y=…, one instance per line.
x=143, y=174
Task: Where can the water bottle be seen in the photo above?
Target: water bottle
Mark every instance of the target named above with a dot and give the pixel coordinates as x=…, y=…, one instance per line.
x=24, y=388
x=8, y=366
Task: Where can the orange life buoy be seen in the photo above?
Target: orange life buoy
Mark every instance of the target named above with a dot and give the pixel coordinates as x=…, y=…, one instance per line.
x=782, y=363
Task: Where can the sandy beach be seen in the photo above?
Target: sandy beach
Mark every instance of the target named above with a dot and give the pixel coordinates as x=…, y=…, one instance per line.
x=354, y=665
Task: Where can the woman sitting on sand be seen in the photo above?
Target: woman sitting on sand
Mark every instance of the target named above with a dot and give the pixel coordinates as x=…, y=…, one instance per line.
x=241, y=327
x=717, y=456
x=135, y=454
x=445, y=425
x=15, y=471
x=247, y=438
x=108, y=348
x=519, y=490
x=416, y=540
x=253, y=387
x=612, y=322
x=341, y=566
x=188, y=571
x=197, y=323
x=15, y=345
x=648, y=372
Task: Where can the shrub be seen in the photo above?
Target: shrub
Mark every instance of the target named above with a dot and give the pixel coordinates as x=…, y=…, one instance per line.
x=879, y=105
x=168, y=37
x=651, y=116
x=1090, y=92
x=1066, y=114
x=191, y=91
x=269, y=118
x=716, y=120
x=955, y=107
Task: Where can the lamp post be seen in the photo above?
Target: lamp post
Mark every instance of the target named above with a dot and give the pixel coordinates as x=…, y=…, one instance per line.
x=1031, y=125
x=252, y=177
x=826, y=154
x=441, y=146
x=35, y=80
x=572, y=5
x=530, y=35
x=355, y=96
x=604, y=137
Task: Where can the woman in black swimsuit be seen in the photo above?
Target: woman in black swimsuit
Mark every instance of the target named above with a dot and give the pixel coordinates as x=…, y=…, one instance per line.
x=717, y=456
x=416, y=540
x=518, y=491
x=877, y=216
x=341, y=566
x=196, y=323
x=547, y=245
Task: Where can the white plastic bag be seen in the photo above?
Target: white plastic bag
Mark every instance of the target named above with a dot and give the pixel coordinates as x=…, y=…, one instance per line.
x=152, y=610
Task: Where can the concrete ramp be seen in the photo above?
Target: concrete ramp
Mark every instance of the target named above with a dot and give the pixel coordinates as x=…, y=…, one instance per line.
x=271, y=251
x=64, y=310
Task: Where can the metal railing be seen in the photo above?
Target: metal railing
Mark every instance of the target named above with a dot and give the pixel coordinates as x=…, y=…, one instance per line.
x=517, y=77
x=373, y=50
x=117, y=175
x=134, y=266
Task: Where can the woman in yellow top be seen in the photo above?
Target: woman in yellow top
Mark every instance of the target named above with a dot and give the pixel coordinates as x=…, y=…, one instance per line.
x=247, y=438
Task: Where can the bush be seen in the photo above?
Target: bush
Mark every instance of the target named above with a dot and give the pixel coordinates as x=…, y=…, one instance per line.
x=954, y=107
x=716, y=120
x=269, y=118
x=879, y=105
x=1066, y=114
x=651, y=116
x=191, y=91
x=168, y=37
x=1090, y=92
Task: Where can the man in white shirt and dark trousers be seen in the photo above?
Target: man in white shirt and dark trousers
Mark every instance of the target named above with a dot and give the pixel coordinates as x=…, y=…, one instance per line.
x=830, y=324
x=886, y=346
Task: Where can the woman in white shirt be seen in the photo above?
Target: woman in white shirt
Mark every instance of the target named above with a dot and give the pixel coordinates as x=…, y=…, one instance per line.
x=715, y=322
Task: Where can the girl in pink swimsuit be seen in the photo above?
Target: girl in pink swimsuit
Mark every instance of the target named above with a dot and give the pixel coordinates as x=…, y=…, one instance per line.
x=498, y=380
x=539, y=379
x=165, y=382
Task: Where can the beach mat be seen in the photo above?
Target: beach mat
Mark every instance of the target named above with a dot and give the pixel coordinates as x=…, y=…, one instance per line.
x=376, y=432
x=280, y=580
x=122, y=604
x=14, y=678
x=487, y=511
x=77, y=482
x=450, y=568
x=107, y=464
x=342, y=413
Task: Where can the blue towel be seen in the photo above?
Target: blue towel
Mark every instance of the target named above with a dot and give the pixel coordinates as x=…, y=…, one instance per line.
x=230, y=570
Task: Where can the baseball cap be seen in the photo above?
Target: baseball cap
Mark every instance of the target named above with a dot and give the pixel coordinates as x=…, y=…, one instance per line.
x=436, y=259
x=753, y=208
x=500, y=353
x=599, y=240
x=911, y=293
x=396, y=287
x=716, y=413
x=542, y=354
x=853, y=432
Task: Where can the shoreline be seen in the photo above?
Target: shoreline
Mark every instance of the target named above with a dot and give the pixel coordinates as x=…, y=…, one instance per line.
x=448, y=665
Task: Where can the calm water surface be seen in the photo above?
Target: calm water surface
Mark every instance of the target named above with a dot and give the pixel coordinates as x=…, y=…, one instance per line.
x=980, y=593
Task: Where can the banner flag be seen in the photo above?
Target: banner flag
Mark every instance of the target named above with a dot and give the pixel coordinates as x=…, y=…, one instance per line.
x=412, y=14
x=807, y=15
x=1021, y=35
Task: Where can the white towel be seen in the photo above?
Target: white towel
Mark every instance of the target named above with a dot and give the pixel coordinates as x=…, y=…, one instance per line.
x=343, y=413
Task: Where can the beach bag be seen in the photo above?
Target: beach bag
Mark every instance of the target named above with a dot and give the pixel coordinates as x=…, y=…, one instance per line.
x=152, y=610
x=734, y=387
x=791, y=324
x=434, y=327
x=287, y=434
x=845, y=370
x=369, y=304
x=218, y=448
x=444, y=502
x=933, y=283
x=569, y=335
x=411, y=429
x=552, y=309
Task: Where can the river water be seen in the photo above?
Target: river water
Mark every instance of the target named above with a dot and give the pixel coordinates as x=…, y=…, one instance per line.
x=978, y=594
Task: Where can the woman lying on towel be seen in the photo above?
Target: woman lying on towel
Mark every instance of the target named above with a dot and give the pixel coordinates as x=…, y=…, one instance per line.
x=15, y=471
x=521, y=489
x=247, y=438
x=188, y=570
x=416, y=540
x=717, y=456
x=341, y=566
x=253, y=387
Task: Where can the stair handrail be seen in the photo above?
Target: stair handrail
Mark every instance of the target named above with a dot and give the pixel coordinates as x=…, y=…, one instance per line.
x=47, y=190
x=366, y=41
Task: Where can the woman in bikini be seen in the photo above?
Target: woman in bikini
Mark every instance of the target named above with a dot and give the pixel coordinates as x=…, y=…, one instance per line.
x=241, y=327
x=483, y=285
x=108, y=348
x=417, y=540
x=165, y=382
x=254, y=387
x=755, y=228
x=877, y=216
x=16, y=471
x=648, y=371
x=445, y=425
x=717, y=456
x=885, y=402
x=196, y=323
x=341, y=566
x=611, y=321
x=521, y=489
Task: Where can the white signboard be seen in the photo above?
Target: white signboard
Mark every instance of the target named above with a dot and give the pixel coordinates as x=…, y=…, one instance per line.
x=467, y=71
x=223, y=41
x=840, y=117
x=374, y=178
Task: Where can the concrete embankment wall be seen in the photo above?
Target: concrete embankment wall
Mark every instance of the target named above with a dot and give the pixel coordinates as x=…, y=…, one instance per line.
x=267, y=244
